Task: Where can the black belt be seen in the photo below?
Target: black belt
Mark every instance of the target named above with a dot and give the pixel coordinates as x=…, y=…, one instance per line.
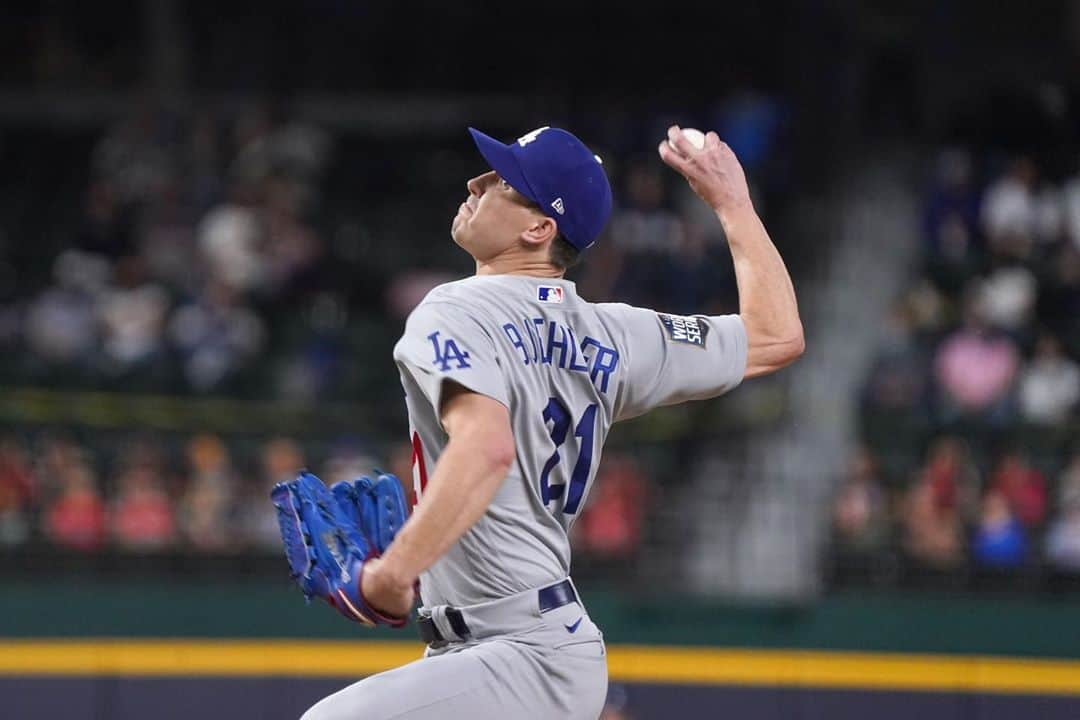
x=551, y=597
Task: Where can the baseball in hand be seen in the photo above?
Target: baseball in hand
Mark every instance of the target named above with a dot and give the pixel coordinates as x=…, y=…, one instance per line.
x=696, y=138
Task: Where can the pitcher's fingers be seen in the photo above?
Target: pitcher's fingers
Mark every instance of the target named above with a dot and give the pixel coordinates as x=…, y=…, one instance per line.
x=712, y=140
x=681, y=143
x=673, y=158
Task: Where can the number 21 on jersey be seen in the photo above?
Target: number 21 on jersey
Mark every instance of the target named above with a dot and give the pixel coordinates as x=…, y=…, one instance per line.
x=559, y=416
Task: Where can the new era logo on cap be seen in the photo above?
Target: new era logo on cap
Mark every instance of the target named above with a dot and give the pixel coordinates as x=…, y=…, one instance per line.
x=556, y=171
x=530, y=136
x=549, y=293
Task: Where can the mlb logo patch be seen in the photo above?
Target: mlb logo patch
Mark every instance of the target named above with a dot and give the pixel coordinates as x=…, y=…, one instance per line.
x=549, y=293
x=688, y=330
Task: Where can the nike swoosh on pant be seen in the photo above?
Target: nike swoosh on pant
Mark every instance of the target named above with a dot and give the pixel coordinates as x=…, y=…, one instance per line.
x=573, y=628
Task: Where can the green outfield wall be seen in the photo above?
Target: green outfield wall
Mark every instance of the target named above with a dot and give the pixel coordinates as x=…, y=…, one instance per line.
x=1043, y=626
x=126, y=650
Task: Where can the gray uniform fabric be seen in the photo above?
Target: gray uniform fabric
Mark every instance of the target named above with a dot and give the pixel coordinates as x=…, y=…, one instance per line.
x=566, y=369
x=551, y=665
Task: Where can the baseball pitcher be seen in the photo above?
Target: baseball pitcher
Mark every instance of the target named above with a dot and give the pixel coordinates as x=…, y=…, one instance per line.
x=512, y=382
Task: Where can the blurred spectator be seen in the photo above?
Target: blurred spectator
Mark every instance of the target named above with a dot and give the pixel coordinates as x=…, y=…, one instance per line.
x=860, y=512
x=216, y=335
x=60, y=322
x=1009, y=211
x=203, y=518
x=132, y=313
x=17, y=492
x=610, y=525
x=141, y=516
x=1063, y=538
x=932, y=529
x=927, y=307
x=167, y=244
x=229, y=238
x=999, y=540
x=1049, y=384
x=54, y=454
x=953, y=476
x=975, y=367
x=75, y=519
x=938, y=505
x=1007, y=298
x=897, y=380
x=280, y=460
x=1023, y=487
x=950, y=221
x=206, y=507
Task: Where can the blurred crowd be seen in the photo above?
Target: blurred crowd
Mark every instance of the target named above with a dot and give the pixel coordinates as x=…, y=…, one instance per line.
x=192, y=235
x=970, y=413
x=143, y=494
x=197, y=494
x=242, y=252
x=248, y=252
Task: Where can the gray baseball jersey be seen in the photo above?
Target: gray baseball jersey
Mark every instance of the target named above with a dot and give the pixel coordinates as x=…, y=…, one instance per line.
x=566, y=369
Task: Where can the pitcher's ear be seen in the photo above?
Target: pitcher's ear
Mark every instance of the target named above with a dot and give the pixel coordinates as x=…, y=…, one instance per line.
x=542, y=229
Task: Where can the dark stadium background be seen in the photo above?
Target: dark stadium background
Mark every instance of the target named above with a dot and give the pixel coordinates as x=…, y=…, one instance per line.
x=215, y=217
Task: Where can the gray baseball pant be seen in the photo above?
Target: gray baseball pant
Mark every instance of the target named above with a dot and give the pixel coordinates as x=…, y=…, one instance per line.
x=518, y=664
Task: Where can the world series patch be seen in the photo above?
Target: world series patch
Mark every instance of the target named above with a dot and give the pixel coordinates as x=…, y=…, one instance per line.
x=689, y=330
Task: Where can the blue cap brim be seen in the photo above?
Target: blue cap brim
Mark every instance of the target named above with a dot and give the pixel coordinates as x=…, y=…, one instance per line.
x=501, y=159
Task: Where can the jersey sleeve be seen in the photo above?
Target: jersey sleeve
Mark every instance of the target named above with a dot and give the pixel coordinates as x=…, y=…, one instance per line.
x=675, y=358
x=444, y=341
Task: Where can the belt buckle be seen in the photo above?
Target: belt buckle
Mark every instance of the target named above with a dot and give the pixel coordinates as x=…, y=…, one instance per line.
x=429, y=632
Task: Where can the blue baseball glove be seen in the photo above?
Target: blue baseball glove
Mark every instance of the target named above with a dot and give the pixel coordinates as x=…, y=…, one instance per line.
x=377, y=507
x=329, y=535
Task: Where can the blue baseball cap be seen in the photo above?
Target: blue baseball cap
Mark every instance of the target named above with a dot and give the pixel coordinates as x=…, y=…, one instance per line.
x=556, y=171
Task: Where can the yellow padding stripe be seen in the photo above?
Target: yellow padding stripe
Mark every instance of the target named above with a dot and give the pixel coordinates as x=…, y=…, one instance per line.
x=203, y=657
x=872, y=671
x=627, y=663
